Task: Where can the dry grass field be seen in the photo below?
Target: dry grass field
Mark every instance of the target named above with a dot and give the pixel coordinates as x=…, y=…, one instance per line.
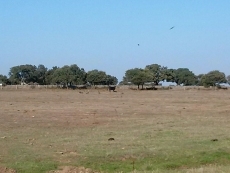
x=153, y=131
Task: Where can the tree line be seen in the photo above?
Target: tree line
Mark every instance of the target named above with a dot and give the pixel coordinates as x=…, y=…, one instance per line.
x=156, y=73
x=66, y=75
x=74, y=75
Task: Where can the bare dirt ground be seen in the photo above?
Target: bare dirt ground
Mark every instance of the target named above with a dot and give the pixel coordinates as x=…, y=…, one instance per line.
x=6, y=170
x=44, y=129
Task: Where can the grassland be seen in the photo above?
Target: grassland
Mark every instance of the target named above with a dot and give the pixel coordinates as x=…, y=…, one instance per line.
x=154, y=131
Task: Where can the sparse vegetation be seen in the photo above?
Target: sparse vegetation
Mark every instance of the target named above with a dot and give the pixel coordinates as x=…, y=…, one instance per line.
x=154, y=131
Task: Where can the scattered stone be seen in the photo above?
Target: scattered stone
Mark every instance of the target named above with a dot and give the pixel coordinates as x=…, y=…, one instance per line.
x=214, y=140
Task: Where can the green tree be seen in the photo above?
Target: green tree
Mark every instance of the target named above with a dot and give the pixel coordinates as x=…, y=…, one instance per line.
x=96, y=77
x=79, y=75
x=185, y=77
x=213, y=78
x=170, y=75
x=137, y=76
x=158, y=72
x=111, y=80
x=4, y=80
x=200, y=79
x=130, y=74
x=23, y=74
x=15, y=75
x=40, y=74
x=69, y=75
x=49, y=75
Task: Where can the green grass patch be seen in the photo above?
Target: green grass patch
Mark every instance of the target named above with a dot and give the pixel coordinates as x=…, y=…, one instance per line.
x=25, y=160
x=174, y=161
x=35, y=166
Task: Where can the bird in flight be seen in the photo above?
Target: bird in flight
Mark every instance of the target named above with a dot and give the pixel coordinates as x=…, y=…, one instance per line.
x=172, y=27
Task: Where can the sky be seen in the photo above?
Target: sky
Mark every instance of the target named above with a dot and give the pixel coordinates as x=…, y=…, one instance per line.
x=104, y=34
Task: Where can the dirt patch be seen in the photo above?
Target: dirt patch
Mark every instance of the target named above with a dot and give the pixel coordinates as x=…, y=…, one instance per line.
x=6, y=170
x=71, y=169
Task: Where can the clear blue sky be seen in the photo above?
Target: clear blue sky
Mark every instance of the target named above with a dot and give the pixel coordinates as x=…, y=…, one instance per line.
x=104, y=34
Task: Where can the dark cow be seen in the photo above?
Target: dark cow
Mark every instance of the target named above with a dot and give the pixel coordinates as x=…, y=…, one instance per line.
x=112, y=88
x=111, y=139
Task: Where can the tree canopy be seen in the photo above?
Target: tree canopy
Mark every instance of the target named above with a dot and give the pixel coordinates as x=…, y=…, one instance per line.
x=66, y=75
x=4, y=80
x=49, y=75
x=137, y=76
x=158, y=72
x=185, y=76
x=40, y=74
x=96, y=77
x=170, y=75
x=213, y=78
x=69, y=75
x=73, y=75
x=23, y=74
x=111, y=80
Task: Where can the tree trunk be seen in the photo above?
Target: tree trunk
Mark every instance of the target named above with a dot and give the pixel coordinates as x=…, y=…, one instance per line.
x=138, y=86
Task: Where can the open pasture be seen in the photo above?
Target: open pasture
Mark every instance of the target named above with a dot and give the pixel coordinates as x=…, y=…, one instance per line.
x=153, y=131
